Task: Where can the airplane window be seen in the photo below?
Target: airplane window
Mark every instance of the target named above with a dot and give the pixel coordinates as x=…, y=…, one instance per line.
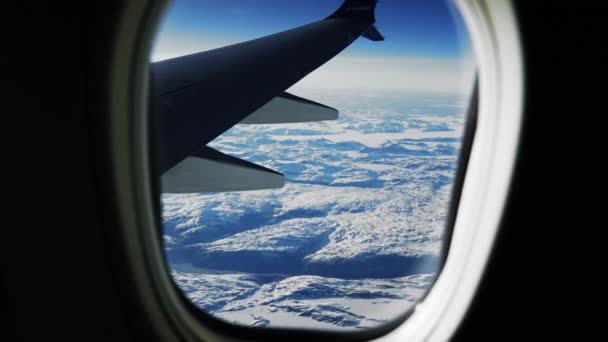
x=308, y=154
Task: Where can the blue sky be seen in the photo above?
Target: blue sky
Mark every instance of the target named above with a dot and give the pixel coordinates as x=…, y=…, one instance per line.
x=426, y=46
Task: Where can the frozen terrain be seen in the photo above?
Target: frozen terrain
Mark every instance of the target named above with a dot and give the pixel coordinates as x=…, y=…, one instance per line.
x=304, y=301
x=351, y=241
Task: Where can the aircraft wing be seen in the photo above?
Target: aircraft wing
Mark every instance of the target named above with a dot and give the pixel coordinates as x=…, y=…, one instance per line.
x=196, y=98
x=288, y=108
x=221, y=173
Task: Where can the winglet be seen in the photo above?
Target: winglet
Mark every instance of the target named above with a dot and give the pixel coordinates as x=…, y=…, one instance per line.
x=357, y=9
x=373, y=34
x=364, y=10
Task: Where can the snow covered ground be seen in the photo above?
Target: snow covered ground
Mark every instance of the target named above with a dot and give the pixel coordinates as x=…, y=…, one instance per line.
x=351, y=241
x=301, y=301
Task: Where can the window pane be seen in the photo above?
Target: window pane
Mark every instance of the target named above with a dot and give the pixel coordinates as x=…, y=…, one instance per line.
x=354, y=237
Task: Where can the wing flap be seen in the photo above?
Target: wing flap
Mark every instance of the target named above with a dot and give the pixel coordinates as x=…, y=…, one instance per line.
x=288, y=108
x=212, y=171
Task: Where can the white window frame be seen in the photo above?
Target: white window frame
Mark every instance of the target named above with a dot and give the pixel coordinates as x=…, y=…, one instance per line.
x=492, y=27
x=493, y=30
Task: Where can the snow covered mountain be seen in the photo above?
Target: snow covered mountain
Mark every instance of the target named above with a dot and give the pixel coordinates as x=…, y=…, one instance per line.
x=300, y=301
x=351, y=241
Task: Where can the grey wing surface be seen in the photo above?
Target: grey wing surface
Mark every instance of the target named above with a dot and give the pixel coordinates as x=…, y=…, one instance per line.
x=196, y=98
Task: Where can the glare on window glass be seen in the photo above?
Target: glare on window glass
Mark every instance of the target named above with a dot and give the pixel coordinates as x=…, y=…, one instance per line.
x=307, y=176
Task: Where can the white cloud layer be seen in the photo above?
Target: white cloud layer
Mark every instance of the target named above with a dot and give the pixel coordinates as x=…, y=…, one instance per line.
x=393, y=73
x=170, y=45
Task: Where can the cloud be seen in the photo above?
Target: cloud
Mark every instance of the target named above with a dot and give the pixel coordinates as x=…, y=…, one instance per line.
x=393, y=73
x=175, y=44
